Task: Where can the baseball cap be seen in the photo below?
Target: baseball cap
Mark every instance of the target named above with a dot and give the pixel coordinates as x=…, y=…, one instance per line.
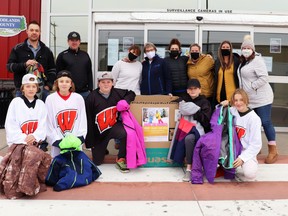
x=64, y=73
x=74, y=35
x=193, y=83
x=29, y=79
x=105, y=75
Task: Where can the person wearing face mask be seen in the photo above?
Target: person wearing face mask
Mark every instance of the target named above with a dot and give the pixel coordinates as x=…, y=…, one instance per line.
x=127, y=71
x=225, y=75
x=155, y=79
x=253, y=78
x=200, y=66
x=176, y=66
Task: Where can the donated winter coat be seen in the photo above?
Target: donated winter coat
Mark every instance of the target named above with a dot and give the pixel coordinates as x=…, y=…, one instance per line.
x=71, y=169
x=135, y=148
x=221, y=145
x=23, y=170
x=177, y=147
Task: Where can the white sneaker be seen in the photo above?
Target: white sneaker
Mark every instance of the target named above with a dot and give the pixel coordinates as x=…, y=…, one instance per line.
x=187, y=176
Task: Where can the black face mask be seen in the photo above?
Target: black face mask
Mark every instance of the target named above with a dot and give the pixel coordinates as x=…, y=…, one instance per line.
x=174, y=53
x=225, y=52
x=194, y=55
x=131, y=56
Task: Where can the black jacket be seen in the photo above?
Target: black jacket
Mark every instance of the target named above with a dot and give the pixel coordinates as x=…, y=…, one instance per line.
x=80, y=66
x=178, y=72
x=155, y=79
x=102, y=114
x=22, y=53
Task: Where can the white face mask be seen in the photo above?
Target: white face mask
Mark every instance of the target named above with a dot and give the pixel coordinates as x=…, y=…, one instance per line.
x=247, y=52
x=150, y=54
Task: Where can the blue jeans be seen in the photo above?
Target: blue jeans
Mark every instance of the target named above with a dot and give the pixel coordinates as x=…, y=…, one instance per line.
x=264, y=113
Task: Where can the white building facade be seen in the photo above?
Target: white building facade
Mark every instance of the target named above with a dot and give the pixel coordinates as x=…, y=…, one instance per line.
x=107, y=28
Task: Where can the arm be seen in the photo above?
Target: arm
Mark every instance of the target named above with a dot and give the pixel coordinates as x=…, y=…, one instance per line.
x=90, y=75
x=51, y=69
x=60, y=64
x=167, y=78
x=204, y=115
x=115, y=71
x=40, y=132
x=14, y=134
x=52, y=136
x=91, y=127
x=83, y=120
x=254, y=140
x=261, y=73
x=14, y=64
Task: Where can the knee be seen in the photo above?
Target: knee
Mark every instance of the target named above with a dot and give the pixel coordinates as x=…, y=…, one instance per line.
x=250, y=175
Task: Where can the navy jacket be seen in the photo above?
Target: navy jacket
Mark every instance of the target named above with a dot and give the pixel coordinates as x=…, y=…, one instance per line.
x=155, y=78
x=71, y=169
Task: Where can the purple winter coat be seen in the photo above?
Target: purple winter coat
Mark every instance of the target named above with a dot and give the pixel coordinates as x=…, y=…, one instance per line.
x=207, y=152
x=135, y=147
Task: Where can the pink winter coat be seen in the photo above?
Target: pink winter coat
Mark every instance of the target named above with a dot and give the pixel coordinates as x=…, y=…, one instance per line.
x=136, y=154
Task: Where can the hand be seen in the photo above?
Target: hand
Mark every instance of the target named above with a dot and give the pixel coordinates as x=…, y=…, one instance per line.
x=30, y=62
x=46, y=87
x=30, y=139
x=224, y=103
x=238, y=162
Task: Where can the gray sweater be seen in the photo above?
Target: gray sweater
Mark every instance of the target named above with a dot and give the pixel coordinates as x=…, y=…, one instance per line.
x=253, y=78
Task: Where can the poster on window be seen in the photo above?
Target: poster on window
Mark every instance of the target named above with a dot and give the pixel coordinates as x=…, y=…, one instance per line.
x=155, y=124
x=275, y=45
x=127, y=43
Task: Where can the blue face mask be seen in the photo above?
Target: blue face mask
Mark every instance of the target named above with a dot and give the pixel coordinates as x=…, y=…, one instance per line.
x=246, y=52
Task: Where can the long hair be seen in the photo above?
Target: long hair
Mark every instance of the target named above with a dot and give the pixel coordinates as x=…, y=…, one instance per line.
x=242, y=93
x=56, y=87
x=221, y=58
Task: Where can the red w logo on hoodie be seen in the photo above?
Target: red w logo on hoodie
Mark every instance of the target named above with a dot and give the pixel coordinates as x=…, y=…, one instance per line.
x=106, y=119
x=66, y=120
x=29, y=127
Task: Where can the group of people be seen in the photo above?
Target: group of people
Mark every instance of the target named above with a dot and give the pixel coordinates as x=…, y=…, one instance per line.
x=93, y=115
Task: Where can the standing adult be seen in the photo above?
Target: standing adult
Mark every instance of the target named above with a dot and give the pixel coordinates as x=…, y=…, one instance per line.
x=200, y=66
x=155, y=79
x=253, y=78
x=103, y=121
x=177, y=67
x=66, y=112
x=226, y=78
x=127, y=71
x=32, y=53
x=78, y=63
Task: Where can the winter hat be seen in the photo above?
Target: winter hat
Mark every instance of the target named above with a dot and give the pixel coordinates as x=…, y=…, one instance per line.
x=248, y=43
x=29, y=79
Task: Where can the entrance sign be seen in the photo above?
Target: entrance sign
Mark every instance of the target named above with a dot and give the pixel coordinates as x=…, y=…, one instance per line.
x=12, y=25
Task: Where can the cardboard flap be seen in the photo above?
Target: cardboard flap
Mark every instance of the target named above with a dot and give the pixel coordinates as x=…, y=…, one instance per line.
x=154, y=99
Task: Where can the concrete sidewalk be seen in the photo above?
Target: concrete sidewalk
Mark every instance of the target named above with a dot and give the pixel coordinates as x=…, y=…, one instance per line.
x=160, y=192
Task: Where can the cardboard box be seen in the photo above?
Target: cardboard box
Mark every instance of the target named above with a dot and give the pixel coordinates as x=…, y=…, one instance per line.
x=157, y=147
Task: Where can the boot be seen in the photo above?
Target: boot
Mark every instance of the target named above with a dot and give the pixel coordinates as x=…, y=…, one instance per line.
x=272, y=154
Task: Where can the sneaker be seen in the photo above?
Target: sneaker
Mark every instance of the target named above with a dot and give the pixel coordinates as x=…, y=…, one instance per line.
x=187, y=176
x=121, y=165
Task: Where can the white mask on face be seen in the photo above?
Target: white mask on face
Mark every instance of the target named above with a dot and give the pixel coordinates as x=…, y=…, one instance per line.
x=150, y=54
x=247, y=52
